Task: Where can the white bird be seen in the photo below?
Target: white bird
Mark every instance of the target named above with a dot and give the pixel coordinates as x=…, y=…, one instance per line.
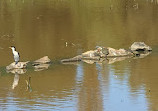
x=15, y=54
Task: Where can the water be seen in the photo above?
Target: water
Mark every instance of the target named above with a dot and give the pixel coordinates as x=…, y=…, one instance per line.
x=65, y=28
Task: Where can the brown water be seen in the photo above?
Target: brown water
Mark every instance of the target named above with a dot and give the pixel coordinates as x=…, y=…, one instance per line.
x=66, y=28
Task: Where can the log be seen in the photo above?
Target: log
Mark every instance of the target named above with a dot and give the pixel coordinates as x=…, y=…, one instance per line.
x=140, y=46
x=74, y=59
x=19, y=65
x=42, y=60
x=118, y=53
x=108, y=52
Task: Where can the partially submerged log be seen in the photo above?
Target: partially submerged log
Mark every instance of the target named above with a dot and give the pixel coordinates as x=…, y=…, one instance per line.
x=41, y=67
x=116, y=59
x=118, y=53
x=42, y=60
x=96, y=56
x=142, y=54
x=140, y=46
x=89, y=55
x=42, y=63
x=19, y=65
x=17, y=71
x=92, y=61
x=74, y=59
x=38, y=64
x=103, y=52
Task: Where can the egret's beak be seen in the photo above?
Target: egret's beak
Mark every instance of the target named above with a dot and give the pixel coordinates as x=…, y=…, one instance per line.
x=10, y=47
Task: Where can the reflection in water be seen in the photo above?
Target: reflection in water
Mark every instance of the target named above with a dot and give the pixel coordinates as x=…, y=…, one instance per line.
x=110, y=60
x=79, y=73
x=17, y=77
x=40, y=28
x=90, y=95
x=29, y=85
x=16, y=80
x=17, y=71
x=143, y=54
x=40, y=67
x=117, y=91
x=122, y=96
x=116, y=59
x=94, y=61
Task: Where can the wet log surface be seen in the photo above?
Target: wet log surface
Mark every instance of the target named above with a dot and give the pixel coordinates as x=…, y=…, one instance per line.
x=90, y=56
x=100, y=54
x=19, y=65
x=42, y=63
x=136, y=49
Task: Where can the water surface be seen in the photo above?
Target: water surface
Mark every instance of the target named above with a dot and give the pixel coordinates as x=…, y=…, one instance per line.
x=65, y=28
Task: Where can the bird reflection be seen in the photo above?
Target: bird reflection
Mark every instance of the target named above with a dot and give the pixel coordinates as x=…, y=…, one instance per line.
x=16, y=80
x=16, y=77
x=17, y=72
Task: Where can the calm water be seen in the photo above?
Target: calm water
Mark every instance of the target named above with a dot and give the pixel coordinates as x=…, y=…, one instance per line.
x=66, y=28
